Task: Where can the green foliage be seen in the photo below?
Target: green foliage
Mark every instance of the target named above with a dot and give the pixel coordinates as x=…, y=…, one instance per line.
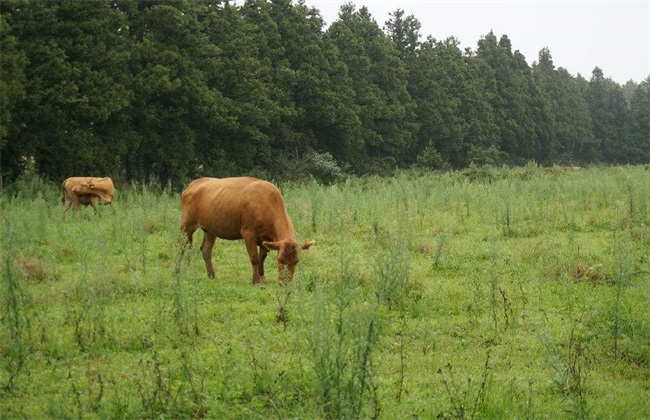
x=167, y=91
x=323, y=167
x=430, y=158
x=639, y=124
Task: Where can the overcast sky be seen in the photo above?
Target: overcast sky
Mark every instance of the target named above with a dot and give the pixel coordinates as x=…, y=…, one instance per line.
x=581, y=35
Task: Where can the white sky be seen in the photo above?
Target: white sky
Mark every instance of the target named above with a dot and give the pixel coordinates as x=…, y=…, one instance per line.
x=581, y=35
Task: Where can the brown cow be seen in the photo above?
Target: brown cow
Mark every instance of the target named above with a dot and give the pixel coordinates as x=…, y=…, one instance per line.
x=86, y=191
x=241, y=208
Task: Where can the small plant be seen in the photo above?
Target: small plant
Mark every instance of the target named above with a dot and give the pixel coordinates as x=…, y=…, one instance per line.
x=440, y=248
x=154, y=383
x=392, y=269
x=342, y=340
x=15, y=321
x=507, y=307
x=494, y=299
x=401, y=334
x=621, y=280
x=282, y=314
x=465, y=401
x=571, y=365
x=184, y=312
x=263, y=377
x=506, y=220
x=195, y=386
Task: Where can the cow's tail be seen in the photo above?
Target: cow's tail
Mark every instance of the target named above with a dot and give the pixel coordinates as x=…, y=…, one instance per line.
x=63, y=192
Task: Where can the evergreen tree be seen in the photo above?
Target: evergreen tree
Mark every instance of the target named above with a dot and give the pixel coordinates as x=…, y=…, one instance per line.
x=483, y=131
x=233, y=138
x=280, y=134
x=12, y=91
x=569, y=116
x=639, y=131
x=74, y=84
x=521, y=117
x=608, y=111
x=439, y=86
x=629, y=88
x=405, y=34
x=171, y=64
x=379, y=78
x=320, y=90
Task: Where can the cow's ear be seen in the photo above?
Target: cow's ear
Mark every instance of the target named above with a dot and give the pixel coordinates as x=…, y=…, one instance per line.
x=271, y=245
x=306, y=245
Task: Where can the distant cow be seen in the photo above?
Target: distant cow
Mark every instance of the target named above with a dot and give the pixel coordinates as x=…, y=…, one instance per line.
x=242, y=208
x=86, y=191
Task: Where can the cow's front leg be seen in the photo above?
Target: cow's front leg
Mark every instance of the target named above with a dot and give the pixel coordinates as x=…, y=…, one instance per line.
x=251, y=247
x=206, y=250
x=263, y=253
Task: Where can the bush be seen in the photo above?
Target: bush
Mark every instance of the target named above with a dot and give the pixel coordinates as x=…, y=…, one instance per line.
x=480, y=156
x=323, y=167
x=430, y=158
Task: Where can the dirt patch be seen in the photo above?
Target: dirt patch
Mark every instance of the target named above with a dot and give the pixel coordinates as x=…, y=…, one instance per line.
x=591, y=274
x=33, y=269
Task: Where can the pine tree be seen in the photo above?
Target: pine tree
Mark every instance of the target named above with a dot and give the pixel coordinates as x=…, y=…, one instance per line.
x=608, y=111
x=521, y=116
x=379, y=78
x=12, y=91
x=439, y=86
x=639, y=131
x=75, y=84
x=171, y=63
x=569, y=116
x=232, y=138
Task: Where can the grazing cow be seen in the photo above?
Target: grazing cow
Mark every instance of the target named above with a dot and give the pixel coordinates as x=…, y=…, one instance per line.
x=86, y=191
x=242, y=208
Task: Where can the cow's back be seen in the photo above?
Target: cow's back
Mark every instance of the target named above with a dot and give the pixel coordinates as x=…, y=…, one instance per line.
x=79, y=187
x=219, y=205
x=100, y=187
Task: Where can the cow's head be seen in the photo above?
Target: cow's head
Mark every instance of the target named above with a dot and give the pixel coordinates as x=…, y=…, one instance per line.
x=288, y=256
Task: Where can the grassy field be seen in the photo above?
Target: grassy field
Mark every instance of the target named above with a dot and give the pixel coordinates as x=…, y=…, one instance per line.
x=521, y=293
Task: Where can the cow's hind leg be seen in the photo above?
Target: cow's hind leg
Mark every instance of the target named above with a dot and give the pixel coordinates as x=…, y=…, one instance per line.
x=94, y=202
x=206, y=250
x=185, y=241
x=188, y=225
x=75, y=203
x=187, y=234
x=66, y=204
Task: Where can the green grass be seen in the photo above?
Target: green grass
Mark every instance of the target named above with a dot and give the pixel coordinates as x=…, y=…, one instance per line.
x=490, y=293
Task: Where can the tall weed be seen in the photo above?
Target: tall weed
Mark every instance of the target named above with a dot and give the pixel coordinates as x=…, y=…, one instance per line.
x=342, y=342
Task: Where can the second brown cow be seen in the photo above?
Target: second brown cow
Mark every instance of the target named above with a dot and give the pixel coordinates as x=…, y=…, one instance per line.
x=86, y=191
x=242, y=208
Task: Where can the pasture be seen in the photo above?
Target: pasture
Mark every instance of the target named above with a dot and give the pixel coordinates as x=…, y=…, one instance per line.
x=488, y=293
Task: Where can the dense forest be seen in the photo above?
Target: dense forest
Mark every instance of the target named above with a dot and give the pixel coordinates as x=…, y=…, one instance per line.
x=164, y=91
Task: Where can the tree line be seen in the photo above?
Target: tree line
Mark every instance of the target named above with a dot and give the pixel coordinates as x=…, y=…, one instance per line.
x=168, y=90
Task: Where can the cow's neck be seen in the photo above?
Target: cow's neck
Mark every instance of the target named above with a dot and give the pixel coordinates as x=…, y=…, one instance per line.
x=283, y=228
